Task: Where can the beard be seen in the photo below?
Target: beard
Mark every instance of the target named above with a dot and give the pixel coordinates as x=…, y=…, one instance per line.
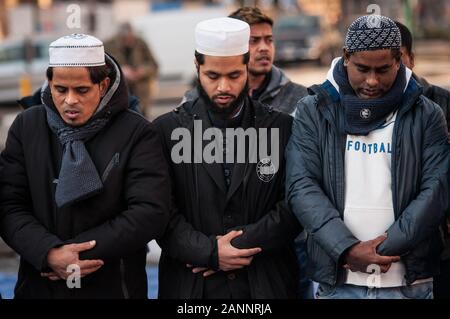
x=215, y=108
x=258, y=73
x=260, y=70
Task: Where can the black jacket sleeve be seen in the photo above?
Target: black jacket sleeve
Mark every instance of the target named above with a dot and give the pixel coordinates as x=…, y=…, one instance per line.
x=181, y=240
x=275, y=229
x=188, y=245
x=147, y=192
x=19, y=227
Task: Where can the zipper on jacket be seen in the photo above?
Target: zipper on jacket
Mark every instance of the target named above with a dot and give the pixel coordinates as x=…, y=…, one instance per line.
x=394, y=168
x=114, y=161
x=394, y=164
x=126, y=295
x=340, y=154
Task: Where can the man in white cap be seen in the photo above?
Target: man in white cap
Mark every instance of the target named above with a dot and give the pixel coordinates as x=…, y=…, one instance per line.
x=368, y=172
x=230, y=233
x=83, y=185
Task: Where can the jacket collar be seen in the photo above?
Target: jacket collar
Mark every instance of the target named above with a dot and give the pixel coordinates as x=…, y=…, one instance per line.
x=195, y=109
x=187, y=112
x=328, y=96
x=278, y=79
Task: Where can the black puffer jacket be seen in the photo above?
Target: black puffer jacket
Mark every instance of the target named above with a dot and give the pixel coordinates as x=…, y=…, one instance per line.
x=131, y=210
x=420, y=183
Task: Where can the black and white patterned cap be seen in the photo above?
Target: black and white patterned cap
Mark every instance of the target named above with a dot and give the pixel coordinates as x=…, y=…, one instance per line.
x=372, y=32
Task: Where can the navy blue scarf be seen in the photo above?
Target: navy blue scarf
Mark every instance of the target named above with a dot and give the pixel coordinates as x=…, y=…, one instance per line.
x=78, y=177
x=365, y=115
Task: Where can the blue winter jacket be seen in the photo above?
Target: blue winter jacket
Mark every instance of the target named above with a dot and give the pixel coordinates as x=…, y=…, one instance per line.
x=420, y=183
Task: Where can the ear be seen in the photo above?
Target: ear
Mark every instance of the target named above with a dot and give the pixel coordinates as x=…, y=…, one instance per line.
x=104, y=85
x=412, y=57
x=345, y=56
x=196, y=64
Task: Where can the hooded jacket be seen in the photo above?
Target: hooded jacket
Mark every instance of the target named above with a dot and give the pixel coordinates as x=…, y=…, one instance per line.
x=420, y=183
x=131, y=210
x=281, y=93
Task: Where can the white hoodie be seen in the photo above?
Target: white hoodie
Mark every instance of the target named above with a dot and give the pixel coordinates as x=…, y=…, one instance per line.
x=369, y=209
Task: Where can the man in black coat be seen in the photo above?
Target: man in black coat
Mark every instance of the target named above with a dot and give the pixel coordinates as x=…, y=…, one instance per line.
x=83, y=185
x=230, y=234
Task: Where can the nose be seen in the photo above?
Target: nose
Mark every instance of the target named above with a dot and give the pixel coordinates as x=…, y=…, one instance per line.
x=263, y=46
x=71, y=97
x=224, y=85
x=372, y=79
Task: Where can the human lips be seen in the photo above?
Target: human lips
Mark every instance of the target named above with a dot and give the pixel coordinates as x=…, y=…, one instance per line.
x=263, y=58
x=370, y=93
x=72, y=113
x=223, y=99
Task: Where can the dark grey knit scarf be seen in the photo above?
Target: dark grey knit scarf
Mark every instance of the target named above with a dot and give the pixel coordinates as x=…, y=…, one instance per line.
x=365, y=115
x=78, y=177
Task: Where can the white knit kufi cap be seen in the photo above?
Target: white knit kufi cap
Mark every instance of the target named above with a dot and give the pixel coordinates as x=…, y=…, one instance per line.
x=222, y=37
x=77, y=50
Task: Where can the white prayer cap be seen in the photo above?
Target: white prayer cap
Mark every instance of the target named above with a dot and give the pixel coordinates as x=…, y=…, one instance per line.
x=77, y=50
x=222, y=37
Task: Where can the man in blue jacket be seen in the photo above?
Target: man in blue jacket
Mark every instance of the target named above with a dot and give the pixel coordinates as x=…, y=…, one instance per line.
x=368, y=172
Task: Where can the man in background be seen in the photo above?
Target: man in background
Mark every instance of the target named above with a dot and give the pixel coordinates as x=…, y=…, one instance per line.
x=267, y=83
x=138, y=64
x=441, y=97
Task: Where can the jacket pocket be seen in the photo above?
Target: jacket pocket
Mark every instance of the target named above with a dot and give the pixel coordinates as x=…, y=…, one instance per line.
x=112, y=163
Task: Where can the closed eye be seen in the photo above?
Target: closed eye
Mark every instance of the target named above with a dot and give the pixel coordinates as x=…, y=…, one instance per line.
x=212, y=75
x=60, y=89
x=82, y=90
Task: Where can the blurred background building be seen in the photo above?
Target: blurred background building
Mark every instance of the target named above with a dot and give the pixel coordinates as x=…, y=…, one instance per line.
x=99, y=17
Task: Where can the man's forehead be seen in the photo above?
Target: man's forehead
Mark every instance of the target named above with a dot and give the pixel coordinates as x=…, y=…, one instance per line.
x=224, y=62
x=260, y=29
x=373, y=58
x=79, y=71
x=67, y=75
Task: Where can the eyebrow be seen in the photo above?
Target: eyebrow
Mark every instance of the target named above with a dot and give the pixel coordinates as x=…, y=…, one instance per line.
x=65, y=87
x=362, y=66
x=226, y=74
x=261, y=36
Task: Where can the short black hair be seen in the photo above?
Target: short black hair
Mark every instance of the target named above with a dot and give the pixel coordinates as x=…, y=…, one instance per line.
x=200, y=58
x=406, y=35
x=96, y=73
x=251, y=15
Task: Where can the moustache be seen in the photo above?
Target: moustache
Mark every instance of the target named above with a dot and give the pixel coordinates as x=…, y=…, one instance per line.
x=262, y=57
x=223, y=95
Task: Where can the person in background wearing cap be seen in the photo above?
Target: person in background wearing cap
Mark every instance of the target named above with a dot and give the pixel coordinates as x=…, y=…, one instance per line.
x=83, y=184
x=368, y=172
x=139, y=66
x=230, y=235
x=442, y=98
